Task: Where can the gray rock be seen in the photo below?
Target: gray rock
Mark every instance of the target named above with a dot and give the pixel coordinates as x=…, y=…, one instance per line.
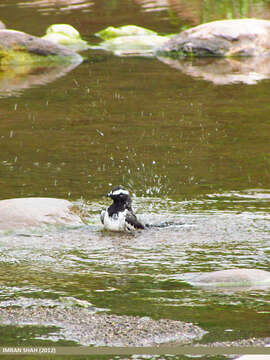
x=239, y=37
x=31, y=212
x=232, y=277
x=2, y=25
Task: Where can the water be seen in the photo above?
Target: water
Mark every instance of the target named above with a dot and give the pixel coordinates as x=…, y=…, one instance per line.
x=194, y=154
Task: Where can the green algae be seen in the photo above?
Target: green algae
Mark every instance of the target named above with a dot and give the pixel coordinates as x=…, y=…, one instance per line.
x=67, y=36
x=126, y=30
x=130, y=40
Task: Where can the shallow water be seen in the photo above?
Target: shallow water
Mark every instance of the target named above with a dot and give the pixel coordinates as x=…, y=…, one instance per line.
x=195, y=156
x=147, y=274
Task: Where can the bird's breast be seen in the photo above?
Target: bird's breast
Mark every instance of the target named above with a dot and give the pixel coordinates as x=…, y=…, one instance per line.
x=115, y=222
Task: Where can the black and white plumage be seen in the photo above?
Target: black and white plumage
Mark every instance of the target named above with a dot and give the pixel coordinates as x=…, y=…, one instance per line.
x=120, y=216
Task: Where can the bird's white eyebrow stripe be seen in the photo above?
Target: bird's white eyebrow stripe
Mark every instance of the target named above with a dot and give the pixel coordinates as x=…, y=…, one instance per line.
x=118, y=192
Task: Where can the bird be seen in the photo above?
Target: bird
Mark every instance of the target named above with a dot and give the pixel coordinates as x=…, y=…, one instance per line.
x=120, y=216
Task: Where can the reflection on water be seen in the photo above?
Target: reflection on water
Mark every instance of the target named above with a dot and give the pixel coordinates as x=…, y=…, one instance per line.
x=16, y=78
x=153, y=5
x=49, y=6
x=224, y=71
x=195, y=12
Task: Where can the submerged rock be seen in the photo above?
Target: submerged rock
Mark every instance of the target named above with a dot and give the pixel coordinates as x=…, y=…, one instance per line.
x=31, y=212
x=67, y=36
x=239, y=37
x=20, y=48
x=232, y=278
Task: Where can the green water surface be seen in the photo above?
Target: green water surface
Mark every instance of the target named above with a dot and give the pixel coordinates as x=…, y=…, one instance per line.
x=191, y=152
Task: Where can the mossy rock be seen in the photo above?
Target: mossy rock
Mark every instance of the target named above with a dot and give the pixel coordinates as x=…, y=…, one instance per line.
x=130, y=40
x=125, y=30
x=20, y=48
x=67, y=36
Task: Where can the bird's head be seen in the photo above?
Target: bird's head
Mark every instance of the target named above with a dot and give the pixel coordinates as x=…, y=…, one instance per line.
x=119, y=194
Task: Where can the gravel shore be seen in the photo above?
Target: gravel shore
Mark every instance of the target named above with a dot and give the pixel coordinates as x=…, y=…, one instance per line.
x=88, y=328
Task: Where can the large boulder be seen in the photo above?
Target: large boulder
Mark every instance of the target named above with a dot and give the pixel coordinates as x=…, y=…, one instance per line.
x=32, y=212
x=20, y=48
x=239, y=37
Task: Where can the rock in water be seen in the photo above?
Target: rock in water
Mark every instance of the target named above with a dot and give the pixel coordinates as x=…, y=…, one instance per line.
x=239, y=37
x=67, y=36
x=27, y=212
x=130, y=40
x=20, y=48
x=232, y=277
x=125, y=30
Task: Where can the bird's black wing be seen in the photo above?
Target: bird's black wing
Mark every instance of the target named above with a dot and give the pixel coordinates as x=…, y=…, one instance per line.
x=132, y=222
